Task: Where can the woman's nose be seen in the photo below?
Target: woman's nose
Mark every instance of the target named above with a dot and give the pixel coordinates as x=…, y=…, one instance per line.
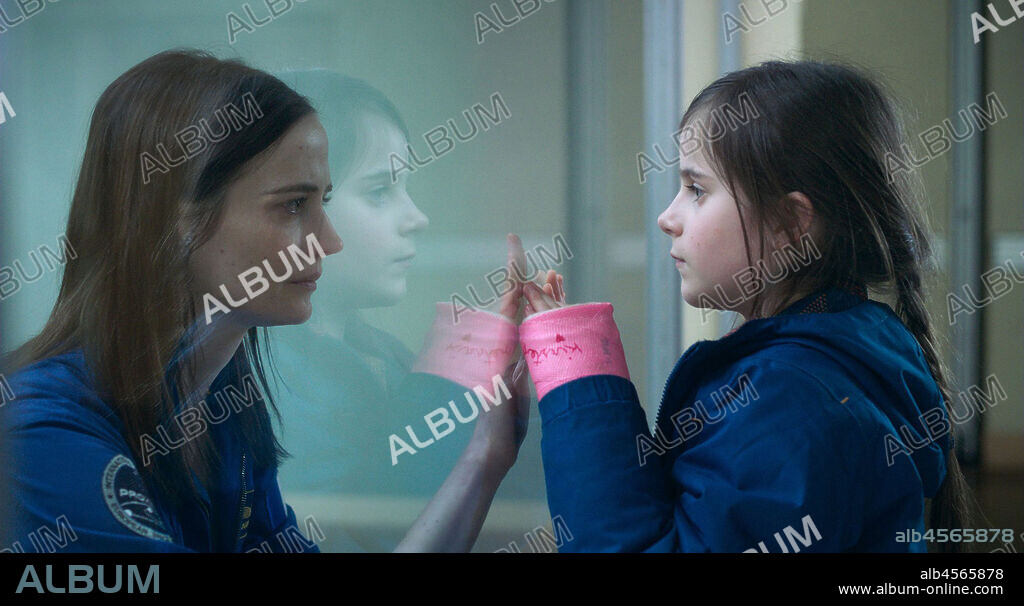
x=331, y=240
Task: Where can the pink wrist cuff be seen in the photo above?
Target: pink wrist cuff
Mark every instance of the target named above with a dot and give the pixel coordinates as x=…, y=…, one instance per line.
x=568, y=343
x=470, y=352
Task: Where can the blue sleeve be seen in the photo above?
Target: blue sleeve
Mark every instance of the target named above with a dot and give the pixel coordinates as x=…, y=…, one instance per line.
x=72, y=484
x=595, y=483
x=783, y=459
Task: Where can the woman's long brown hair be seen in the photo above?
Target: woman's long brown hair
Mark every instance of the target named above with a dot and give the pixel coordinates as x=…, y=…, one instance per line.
x=825, y=130
x=126, y=300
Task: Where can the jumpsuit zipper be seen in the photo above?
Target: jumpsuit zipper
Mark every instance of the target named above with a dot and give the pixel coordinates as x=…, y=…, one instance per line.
x=242, y=506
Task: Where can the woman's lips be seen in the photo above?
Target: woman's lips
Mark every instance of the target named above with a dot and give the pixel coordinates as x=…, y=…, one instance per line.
x=308, y=283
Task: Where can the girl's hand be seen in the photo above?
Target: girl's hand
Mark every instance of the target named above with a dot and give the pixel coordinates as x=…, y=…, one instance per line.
x=549, y=296
x=554, y=286
x=553, y=283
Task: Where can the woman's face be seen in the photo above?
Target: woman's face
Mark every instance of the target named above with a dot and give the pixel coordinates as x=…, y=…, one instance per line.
x=275, y=204
x=707, y=236
x=377, y=220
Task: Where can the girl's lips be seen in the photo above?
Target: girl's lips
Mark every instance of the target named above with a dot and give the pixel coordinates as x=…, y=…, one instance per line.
x=405, y=262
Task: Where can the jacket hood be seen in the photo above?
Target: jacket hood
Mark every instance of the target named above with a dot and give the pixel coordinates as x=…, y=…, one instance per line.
x=879, y=352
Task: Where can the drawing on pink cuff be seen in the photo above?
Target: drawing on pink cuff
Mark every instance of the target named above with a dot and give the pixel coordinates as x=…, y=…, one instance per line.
x=538, y=356
x=480, y=352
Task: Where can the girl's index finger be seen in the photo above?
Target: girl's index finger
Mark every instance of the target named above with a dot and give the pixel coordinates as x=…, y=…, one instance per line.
x=537, y=298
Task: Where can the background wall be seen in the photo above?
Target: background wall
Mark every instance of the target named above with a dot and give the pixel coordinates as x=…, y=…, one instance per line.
x=907, y=43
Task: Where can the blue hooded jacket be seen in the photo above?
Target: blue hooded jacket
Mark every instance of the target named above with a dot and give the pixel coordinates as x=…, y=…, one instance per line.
x=72, y=483
x=819, y=429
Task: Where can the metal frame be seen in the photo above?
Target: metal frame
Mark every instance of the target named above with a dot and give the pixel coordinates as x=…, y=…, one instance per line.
x=730, y=58
x=663, y=68
x=588, y=147
x=966, y=250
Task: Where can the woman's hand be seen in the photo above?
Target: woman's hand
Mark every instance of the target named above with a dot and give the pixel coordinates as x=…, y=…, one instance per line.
x=516, y=257
x=500, y=431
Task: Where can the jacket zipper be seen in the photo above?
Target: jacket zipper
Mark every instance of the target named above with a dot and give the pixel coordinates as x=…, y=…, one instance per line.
x=664, y=393
x=675, y=369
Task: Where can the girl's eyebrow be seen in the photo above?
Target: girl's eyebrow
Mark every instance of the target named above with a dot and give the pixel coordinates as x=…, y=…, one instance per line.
x=378, y=176
x=692, y=174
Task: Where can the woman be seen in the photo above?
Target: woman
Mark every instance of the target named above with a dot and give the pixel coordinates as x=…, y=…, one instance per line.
x=142, y=410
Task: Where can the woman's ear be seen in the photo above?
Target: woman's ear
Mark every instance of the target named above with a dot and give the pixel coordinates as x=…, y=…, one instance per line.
x=185, y=232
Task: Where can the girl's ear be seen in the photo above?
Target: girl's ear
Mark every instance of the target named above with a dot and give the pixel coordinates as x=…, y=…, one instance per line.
x=805, y=219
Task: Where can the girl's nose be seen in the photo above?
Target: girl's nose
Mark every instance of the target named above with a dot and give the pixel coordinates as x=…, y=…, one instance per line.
x=415, y=220
x=668, y=222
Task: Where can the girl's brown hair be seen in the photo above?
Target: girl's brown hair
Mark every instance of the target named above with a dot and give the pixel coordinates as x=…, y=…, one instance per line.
x=825, y=130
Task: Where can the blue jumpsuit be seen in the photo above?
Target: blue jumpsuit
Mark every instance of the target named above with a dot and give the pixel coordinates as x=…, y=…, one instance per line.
x=73, y=485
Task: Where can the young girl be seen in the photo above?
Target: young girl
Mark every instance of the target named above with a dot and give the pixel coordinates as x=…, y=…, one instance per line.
x=349, y=386
x=821, y=423
x=141, y=412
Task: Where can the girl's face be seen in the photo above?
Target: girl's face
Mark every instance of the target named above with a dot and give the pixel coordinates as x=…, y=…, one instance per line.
x=378, y=221
x=707, y=238
x=275, y=204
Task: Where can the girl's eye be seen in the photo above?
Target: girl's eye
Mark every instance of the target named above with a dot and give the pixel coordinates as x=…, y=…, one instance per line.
x=696, y=189
x=377, y=195
x=327, y=200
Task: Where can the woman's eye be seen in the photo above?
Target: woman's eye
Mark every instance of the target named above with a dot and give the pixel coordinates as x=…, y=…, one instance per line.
x=293, y=206
x=327, y=200
x=696, y=189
